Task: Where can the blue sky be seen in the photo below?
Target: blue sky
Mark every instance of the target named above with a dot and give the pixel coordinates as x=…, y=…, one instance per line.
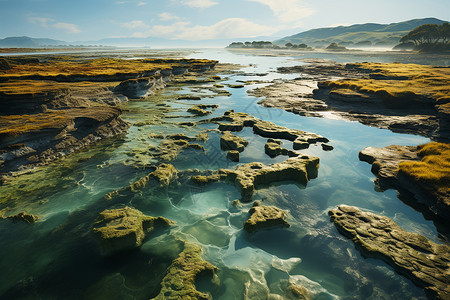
x=84, y=20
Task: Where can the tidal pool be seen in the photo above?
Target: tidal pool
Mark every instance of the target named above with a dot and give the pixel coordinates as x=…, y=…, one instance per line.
x=58, y=258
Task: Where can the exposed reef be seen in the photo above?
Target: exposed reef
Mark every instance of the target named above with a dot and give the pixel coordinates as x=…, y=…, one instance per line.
x=179, y=282
x=423, y=261
x=54, y=106
x=262, y=217
x=163, y=175
x=201, y=109
x=423, y=171
x=404, y=98
x=273, y=149
x=22, y=217
x=236, y=121
x=250, y=176
x=229, y=141
x=123, y=229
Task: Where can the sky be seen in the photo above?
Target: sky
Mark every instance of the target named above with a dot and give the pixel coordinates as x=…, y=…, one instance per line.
x=193, y=20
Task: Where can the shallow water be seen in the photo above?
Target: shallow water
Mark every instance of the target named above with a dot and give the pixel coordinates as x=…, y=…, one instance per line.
x=57, y=258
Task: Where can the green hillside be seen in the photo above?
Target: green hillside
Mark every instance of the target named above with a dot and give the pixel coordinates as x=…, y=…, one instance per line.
x=369, y=34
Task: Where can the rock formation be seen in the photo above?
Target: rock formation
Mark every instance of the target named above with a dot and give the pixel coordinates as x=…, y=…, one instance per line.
x=250, y=176
x=124, y=229
x=426, y=263
x=262, y=217
x=179, y=282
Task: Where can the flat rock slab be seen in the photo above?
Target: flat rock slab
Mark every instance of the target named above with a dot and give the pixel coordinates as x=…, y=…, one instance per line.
x=124, y=229
x=262, y=217
x=426, y=263
x=250, y=176
x=229, y=141
x=179, y=282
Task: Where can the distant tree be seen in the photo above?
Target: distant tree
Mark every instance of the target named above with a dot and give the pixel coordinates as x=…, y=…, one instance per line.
x=289, y=45
x=236, y=45
x=303, y=46
x=429, y=37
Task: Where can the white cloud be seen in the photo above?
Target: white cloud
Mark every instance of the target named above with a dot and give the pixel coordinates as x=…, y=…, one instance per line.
x=69, y=28
x=199, y=3
x=135, y=24
x=287, y=11
x=228, y=28
x=142, y=3
x=50, y=23
x=167, y=17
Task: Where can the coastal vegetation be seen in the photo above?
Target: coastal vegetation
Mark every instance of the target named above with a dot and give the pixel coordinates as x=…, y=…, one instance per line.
x=433, y=170
x=429, y=38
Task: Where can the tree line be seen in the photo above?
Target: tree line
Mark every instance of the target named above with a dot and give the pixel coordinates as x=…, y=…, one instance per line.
x=429, y=35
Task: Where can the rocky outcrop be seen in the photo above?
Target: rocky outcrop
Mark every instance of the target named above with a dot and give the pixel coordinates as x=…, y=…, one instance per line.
x=54, y=134
x=398, y=97
x=233, y=155
x=123, y=229
x=163, y=175
x=168, y=149
x=179, y=281
x=262, y=217
x=141, y=87
x=202, y=109
x=273, y=149
x=22, y=217
x=229, y=141
x=236, y=121
x=250, y=176
x=426, y=263
x=389, y=165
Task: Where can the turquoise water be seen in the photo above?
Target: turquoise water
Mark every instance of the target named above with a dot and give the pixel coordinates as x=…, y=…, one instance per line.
x=57, y=258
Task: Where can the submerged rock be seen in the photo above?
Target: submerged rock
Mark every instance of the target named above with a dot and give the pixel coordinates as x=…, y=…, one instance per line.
x=124, y=229
x=265, y=217
x=179, y=282
x=250, y=176
x=426, y=263
x=229, y=141
x=163, y=175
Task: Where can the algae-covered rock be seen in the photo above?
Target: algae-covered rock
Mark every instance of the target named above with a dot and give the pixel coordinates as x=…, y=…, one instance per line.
x=265, y=217
x=229, y=141
x=426, y=263
x=273, y=149
x=201, y=109
x=298, y=291
x=22, y=217
x=169, y=149
x=250, y=176
x=124, y=229
x=164, y=174
x=233, y=155
x=179, y=282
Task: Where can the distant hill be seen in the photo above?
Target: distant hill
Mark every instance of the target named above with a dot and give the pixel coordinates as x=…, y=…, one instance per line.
x=28, y=42
x=369, y=34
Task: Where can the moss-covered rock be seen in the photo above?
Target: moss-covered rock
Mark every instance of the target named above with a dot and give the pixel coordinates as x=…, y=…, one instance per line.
x=233, y=155
x=250, y=176
x=124, y=229
x=229, y=141
x=22, y=217
x=202, y=109
x=273, y=149
x=265, y=217
x=179, y=282
x=163, y=175
x=426, y=263
x=423, y=171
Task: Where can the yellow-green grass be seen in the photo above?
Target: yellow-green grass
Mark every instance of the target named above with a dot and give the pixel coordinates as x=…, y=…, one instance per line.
x=18, y=124
x=36, y=87
x=428, y=81
x=66, y=66
x=433, y=171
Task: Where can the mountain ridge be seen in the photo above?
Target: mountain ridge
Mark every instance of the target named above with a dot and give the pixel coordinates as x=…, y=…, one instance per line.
x=377, y=34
